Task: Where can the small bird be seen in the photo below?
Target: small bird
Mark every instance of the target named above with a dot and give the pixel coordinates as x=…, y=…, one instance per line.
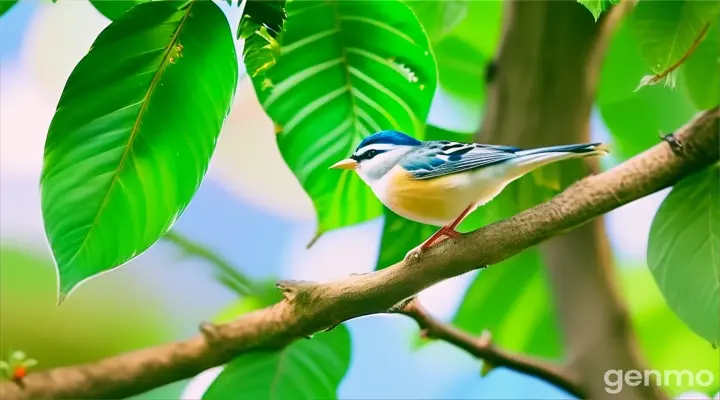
x=440, y=182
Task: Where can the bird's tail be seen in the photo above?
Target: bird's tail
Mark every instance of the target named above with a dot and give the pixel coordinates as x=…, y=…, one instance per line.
x=529, y=160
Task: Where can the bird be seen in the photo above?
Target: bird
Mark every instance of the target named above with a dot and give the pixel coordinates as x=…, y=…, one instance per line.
x=441, y=182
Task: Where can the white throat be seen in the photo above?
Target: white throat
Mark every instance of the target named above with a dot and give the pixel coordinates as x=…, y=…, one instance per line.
x=372, y=170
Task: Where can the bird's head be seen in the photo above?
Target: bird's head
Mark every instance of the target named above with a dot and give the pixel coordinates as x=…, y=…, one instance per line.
x=377, y=154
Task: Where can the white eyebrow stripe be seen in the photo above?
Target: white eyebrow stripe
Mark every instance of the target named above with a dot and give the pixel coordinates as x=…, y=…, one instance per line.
x=377, y=146
x=455, y=149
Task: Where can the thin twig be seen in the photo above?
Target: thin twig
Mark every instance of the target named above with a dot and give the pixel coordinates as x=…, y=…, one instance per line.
x=484, y=349
x=225, y=272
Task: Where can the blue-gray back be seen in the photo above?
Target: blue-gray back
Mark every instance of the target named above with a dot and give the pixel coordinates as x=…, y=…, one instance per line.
x=438, y=158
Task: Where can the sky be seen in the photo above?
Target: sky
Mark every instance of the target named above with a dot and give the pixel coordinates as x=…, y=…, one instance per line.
x=260, y=222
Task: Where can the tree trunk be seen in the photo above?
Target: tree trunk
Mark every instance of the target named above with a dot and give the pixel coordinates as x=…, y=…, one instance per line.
x=541, y=93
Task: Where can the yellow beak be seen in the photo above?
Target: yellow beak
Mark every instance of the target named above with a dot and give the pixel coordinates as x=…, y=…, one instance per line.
x=347, y=163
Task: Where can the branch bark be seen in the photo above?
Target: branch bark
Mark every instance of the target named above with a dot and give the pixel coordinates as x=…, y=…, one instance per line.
x=309, y=307
x=484, y=349
x=547, y=71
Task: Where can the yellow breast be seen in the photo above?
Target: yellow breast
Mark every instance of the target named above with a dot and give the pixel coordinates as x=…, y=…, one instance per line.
x=435, y=201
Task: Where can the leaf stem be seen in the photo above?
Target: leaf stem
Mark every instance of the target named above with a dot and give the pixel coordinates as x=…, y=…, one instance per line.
x=653, y=79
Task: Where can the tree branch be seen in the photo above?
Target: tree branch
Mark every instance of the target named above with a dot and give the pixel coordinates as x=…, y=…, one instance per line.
x=484, y=349
x=309, y=307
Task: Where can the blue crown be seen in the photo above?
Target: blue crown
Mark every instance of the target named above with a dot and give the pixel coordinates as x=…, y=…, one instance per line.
x=389, y=137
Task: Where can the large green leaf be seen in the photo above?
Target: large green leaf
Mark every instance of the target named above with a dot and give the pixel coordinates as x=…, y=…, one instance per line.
x=622, y=69
x=269, y=14
x=666, y=30
x=666, y=342
x=482, y=26
x=684, y=251
x=113, y=9
x=399, y=236
x=5, y=5
x=635, y=123
x=461, y=57
x=462, y=53
x=701, y=71
x=635, y=118
x=461, y=69
x=261, y=26
x=131, y=139
x=439, y=17
x=346, y=69
x=306, y=369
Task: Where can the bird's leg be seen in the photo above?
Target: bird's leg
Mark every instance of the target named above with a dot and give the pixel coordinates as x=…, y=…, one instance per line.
x=444, y=233
x=447, y=231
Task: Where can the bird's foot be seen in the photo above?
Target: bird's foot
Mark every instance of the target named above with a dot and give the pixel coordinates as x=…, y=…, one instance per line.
x=450, y=233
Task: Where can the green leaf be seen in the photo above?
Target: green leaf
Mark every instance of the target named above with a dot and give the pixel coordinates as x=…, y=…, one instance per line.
x=462, y=54
x=267, y=13
x=347, y=69
x=622, y=68
x=400, y=235
x=635, y=122
x=484, y=15
x=261, y=25
x=113, y=9
x=702, y=71
x=635, y=118
x=666, y=342
x=597, y=7
x=306, y=369
x=439, y=17
x=666, y=30
x=461, y=69
x=133, y=134
x=684, y=252
x=5, y=5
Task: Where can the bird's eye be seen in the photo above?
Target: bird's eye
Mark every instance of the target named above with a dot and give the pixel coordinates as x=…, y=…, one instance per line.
x=370, y=154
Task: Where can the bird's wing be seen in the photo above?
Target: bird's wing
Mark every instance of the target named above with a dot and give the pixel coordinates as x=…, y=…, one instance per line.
x=436, y=159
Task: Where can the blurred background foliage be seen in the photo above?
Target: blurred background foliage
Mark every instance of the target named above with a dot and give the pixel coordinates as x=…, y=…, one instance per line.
x=256, y=208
